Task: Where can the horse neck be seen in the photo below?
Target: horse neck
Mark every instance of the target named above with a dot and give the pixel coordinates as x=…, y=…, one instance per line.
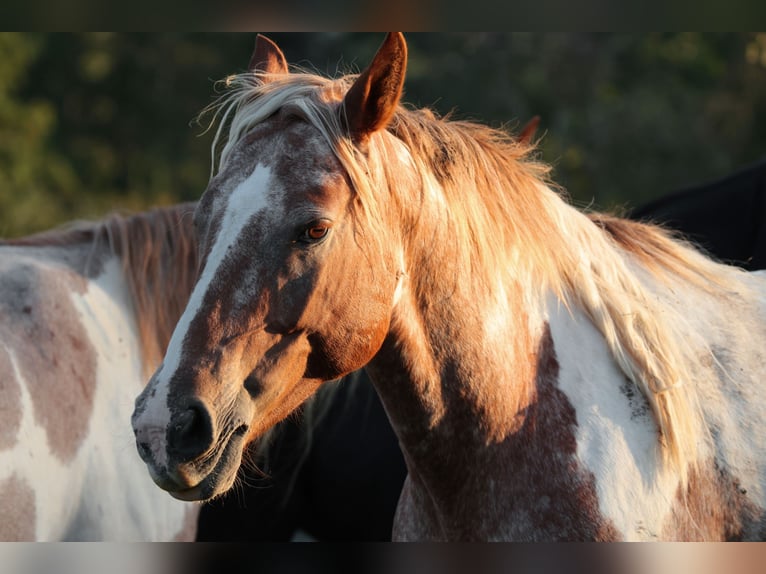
x=471, y=296
x=455, y=358
x=452, y=338
x=469, y=323
x=456, y=388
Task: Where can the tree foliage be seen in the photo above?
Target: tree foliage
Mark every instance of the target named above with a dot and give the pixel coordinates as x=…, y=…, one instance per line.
x=95, y=122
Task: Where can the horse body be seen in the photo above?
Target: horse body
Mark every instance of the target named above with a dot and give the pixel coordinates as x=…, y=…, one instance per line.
x=549, y=375
x=722, y=494
x=580, y=457
x=73, y=359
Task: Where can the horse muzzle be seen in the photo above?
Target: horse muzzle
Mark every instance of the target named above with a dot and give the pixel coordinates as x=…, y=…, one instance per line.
x=189, y=457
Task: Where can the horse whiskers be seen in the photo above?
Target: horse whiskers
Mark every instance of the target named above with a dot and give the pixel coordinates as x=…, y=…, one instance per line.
x=250, y=464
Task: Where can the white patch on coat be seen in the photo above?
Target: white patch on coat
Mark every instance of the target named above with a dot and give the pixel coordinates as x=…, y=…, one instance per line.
x=496, y=321
x=619, y=446
x=117, y=484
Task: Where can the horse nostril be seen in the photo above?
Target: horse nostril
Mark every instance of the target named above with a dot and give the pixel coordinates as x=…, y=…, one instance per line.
x=191, y=432
x=253, y=385
x=186, y=421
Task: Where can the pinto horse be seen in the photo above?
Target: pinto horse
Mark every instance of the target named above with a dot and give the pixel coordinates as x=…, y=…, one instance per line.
x=85, y=315
x=307, y=488
x=333, y=473
x=550, y=375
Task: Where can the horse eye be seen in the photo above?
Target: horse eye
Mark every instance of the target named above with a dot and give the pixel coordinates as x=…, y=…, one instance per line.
x=314, y=232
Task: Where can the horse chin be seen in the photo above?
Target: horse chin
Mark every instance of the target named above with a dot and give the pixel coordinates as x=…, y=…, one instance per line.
x=219, y=478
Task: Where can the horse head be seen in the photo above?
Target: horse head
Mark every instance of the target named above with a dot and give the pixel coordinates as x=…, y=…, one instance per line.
x=290, y=292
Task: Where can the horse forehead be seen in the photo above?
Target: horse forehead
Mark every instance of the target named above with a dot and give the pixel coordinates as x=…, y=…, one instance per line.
x=298, y=155
x=287, y=136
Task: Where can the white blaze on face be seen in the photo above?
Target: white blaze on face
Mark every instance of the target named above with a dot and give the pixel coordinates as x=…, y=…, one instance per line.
x=248, y=199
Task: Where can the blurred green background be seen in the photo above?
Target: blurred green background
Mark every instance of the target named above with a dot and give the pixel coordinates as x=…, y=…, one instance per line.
x=91, y=123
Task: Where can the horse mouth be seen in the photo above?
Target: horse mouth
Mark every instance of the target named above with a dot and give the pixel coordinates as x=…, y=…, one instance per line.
x=220, y=469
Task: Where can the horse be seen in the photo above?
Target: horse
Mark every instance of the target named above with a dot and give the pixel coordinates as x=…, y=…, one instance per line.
x=550, y=374
x=725, y=216
x=307, y=492
x=85, y=314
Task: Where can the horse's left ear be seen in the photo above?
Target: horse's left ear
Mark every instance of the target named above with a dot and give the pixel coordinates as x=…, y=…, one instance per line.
x=267, y=58
x=371, y=102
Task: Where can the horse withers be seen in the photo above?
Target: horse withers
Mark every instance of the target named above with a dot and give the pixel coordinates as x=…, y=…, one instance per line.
x=550, y=375
x=85, y=315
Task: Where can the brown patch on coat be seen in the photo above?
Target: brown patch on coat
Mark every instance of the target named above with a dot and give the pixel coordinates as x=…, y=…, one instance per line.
x=18, y=510
x=10, y=402
x=188, y=532
x=542, y=458
x=555, y=495
x=714, y=507
x=527, y=487
x=55, y=357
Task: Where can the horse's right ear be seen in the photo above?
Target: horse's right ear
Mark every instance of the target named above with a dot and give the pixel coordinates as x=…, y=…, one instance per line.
x=371, y=101
x=267, y=58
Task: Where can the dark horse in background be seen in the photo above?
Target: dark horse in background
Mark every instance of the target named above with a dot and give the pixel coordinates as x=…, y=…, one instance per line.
x=726, y=217
x=342, y=481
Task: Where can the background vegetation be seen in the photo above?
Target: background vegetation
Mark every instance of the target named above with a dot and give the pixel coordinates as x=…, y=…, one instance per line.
x=90, y=123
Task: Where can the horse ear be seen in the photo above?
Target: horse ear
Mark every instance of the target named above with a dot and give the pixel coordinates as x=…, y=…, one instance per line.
x=371, y=101
x=267, y=58
x=528, y=131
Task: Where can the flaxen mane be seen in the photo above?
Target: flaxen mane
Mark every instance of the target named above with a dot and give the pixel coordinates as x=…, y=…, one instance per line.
x=504, y=215
x=158, y=251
